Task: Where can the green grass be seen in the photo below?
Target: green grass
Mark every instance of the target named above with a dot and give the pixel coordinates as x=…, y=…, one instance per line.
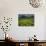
x=26, y=22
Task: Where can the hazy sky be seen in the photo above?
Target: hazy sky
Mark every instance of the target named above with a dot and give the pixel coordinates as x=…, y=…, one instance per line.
x=26, y=14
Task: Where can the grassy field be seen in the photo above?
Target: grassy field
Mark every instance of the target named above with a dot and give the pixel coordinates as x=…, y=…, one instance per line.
x=26, y=22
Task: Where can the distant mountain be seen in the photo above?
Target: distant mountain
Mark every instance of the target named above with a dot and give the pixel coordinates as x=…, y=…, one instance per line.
x=25, y=15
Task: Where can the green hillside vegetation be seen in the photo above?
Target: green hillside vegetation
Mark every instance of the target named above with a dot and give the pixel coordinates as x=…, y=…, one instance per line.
x=28, y=21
